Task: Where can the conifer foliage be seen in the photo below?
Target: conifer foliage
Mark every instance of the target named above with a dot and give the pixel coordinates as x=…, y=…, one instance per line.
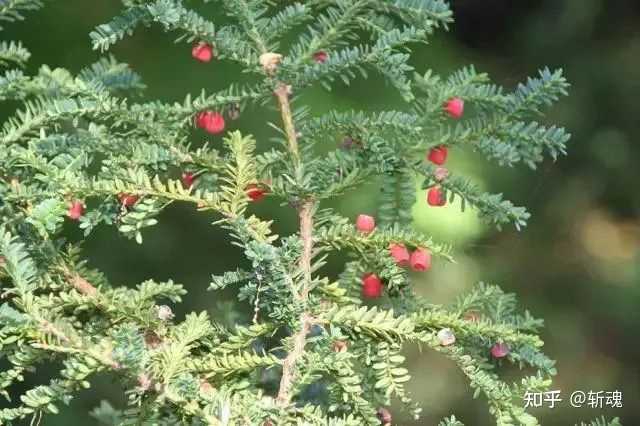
x=78, y=150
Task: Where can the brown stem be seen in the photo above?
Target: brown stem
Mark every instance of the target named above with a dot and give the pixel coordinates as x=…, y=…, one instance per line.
x=305, y=214
x=82, y=285
x=282, y=94
x=289, y=363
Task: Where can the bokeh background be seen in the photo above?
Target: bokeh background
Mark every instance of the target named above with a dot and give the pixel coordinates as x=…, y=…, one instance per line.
x=577, y=264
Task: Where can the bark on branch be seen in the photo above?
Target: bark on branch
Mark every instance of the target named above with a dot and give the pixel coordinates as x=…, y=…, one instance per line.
x=305, y=214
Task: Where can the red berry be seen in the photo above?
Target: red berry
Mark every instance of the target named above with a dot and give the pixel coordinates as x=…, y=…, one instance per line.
x=202, y=52
x=435, y=197
x=500, y=350
x=371, y=286
x=420, y=260
x=320, y=56
x=128, y=200
x=76, y=210
x=187, y=179
x=400, y=254
x=255, y=192
x=454, y=107
x=211, y=122
x=438, y=155
x=365, y=223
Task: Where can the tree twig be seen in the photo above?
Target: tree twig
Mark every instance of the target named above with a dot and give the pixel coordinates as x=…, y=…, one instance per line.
x=82, y=285
x=305, y=214
x=282, y=94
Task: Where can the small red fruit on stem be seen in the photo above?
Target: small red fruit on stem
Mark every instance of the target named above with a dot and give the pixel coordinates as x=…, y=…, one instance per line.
x=365, y=223
x=202, y=52
x=400, y=254
x=255, y=193
x=320, y=56
x=454, y=107
x=420, y=260
x=76, y=210
x=435, y=197
x=438, y=155
x=188, y=179
x=128, y=200
x=371, y=286
x=210, y=121
x=500, y=350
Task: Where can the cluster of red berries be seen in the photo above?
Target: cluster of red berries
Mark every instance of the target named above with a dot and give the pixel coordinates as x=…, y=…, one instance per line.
x=77, y=208
x=418, y=260
x=438, y=155
x=203, y=52
x=213, y=122
x=371, y=283
x=210, y=121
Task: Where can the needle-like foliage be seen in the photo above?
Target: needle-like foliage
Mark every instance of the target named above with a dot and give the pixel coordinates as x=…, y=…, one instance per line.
x=332, y=357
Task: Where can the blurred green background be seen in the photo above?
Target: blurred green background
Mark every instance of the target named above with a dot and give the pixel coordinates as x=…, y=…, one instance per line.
x=577, y=263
